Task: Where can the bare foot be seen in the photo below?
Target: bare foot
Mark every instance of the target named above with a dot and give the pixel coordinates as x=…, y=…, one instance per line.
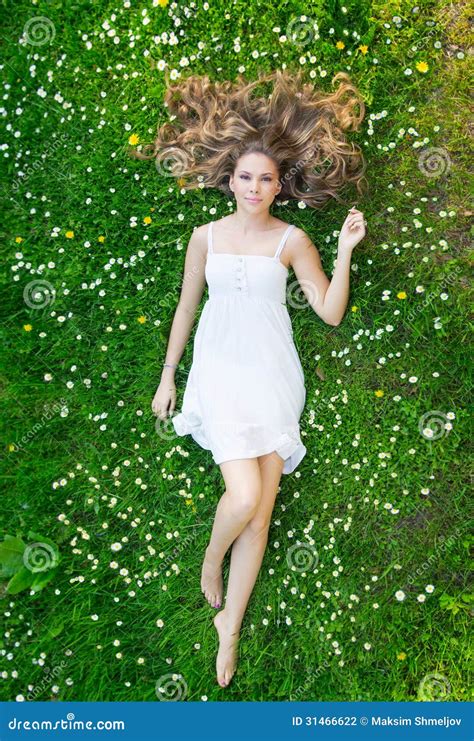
x=211, y=581
x=227, y=654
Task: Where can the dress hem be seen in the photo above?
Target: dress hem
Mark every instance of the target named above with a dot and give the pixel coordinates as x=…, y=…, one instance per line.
x=288, y=446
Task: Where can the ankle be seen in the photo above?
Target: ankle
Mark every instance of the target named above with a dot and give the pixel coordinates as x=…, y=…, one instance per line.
x=212, y=556
x=231, y=622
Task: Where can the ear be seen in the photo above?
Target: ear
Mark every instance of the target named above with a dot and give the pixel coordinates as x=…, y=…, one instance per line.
x=231, y=183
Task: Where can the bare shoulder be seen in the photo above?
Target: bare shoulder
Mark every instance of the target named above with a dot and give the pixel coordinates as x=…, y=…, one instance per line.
x=300, y=246
x=198, y=240
x=298, y=242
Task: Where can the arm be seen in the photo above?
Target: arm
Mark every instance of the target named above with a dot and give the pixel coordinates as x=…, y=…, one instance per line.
x=191, y=293
x=164, y=401
x=327, y=298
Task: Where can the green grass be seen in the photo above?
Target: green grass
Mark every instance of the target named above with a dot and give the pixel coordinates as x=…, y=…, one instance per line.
x=69, y=477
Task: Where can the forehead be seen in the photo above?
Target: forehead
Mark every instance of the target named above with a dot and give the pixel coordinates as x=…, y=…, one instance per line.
x=256, y=162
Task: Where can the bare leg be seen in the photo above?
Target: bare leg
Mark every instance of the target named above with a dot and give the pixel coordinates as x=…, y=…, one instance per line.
x=236, y=507
x=246, y=558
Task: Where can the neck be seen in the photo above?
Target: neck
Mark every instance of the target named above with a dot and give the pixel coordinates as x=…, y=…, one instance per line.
x=252, y=222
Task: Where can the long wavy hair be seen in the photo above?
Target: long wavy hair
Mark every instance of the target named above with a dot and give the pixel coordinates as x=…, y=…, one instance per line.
x=212, y=124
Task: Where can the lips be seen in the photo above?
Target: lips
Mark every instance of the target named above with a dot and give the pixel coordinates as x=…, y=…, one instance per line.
x=254, y=200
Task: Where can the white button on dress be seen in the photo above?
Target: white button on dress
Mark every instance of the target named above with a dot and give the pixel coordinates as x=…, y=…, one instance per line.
x=245, y=391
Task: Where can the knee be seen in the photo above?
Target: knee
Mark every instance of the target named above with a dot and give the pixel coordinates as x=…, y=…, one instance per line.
x=245, y=502
x=259, y=525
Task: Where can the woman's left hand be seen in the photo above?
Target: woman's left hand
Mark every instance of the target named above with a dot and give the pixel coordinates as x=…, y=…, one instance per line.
x=353, y=230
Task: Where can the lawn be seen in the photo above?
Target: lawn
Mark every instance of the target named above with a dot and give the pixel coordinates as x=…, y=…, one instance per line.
x=364, y=592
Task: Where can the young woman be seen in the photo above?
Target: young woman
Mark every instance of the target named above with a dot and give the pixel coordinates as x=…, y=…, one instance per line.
x=245, y=391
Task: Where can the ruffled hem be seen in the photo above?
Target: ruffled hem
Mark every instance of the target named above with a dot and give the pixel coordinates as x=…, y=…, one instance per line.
x=288, y=446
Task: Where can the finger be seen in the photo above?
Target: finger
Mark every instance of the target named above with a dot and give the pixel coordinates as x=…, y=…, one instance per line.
x=353, y=222
x=351, y=217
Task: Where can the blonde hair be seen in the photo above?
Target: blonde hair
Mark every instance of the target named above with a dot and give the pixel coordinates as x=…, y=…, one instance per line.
x=299, y=127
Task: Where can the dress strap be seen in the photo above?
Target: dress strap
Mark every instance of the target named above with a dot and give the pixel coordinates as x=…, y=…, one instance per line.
x=210, y=248
x=282, y=241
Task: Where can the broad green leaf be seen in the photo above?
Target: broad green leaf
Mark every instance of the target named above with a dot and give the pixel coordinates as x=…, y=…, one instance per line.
x=41, y=579
x=11, y=555
x=23, y=579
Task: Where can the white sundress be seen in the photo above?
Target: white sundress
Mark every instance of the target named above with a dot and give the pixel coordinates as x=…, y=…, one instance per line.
x=245, y=391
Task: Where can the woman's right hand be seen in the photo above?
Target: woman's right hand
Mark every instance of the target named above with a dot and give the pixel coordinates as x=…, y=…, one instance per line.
x=164, y=401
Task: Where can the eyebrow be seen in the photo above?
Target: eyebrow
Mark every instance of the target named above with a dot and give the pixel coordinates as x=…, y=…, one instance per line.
x=249, y=173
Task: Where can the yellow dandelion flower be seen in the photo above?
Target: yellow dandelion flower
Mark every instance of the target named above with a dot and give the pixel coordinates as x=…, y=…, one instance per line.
x=18, y=240
x=163, y=3
x=363, y=48
x=401, y=294
x=181, y=182
x=133, y=139
x=354, y=309
x=141, y=319
x=11, y=447
x=69, y=234
x=379, y=393
x=147, y=220
x=340, y=45
x=189, y=501
x=422, y=67
x=401, y=656
x=101, y=238
x=27, y=327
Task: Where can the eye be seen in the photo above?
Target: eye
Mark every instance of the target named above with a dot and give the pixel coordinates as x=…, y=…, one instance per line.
x=244, y=176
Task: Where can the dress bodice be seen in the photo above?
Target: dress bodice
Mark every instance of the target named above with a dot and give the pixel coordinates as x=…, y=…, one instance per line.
x=248, y=276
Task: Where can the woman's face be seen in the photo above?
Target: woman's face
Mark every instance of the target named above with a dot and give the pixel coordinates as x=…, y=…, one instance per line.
x=255, y=182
